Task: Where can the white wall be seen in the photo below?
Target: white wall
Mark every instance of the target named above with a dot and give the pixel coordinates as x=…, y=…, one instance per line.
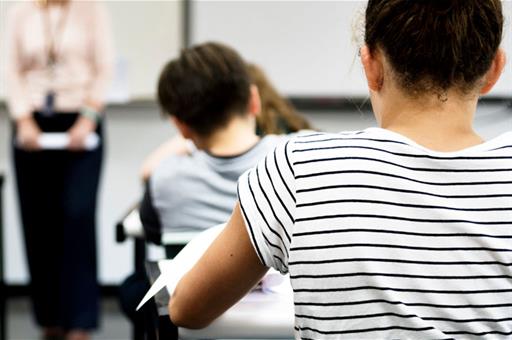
x=306, y=47
x=504, y=87
x=147, y=34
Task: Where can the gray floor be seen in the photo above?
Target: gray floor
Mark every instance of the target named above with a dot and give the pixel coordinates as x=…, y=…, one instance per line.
x=125, y=154
x=20, y=325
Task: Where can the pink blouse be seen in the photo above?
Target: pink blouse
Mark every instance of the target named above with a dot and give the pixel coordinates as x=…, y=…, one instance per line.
x=84, y=56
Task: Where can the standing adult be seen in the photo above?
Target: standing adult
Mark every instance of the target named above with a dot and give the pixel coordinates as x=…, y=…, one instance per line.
x=59, y=65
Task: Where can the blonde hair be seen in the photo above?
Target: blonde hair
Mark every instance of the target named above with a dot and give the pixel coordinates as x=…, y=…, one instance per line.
x=278, y=115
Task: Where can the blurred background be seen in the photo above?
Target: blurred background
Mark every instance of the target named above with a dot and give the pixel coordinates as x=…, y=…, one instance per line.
x=308, y=49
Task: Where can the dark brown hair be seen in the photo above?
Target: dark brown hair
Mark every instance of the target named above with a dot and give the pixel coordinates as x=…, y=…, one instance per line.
x=278, y=116
x=435, y=45
x=205, y=87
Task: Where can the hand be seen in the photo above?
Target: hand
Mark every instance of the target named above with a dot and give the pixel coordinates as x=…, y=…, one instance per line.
x=79, y=132
x=28, y=133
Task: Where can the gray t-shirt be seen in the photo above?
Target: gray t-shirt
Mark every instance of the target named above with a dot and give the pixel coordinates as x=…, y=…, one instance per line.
x=197, y=191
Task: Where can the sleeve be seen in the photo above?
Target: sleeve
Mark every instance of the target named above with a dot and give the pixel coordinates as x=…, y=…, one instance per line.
x=17, y=96
x=149, y=217
x=267, y=200
x=102, y=55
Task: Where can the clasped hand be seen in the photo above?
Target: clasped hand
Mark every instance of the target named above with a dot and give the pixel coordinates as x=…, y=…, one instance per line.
x=28, y=133
x=79, y=132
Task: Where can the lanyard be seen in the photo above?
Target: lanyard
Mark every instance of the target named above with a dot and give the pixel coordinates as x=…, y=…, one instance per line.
x=52, y=37
x=51, y=52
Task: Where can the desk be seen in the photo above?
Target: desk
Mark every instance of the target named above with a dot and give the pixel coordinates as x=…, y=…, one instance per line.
x=257, y=316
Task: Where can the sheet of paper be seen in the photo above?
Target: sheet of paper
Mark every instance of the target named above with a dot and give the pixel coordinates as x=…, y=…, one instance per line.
x=173, y=270
x=60, y=141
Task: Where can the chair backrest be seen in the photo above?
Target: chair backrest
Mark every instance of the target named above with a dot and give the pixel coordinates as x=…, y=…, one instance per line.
x=1, y=234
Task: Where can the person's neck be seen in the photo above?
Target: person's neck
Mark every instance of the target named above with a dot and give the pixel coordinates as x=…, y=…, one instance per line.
x=431, y=122
x=237, y=137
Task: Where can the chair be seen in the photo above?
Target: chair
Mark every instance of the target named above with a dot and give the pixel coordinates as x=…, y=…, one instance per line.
x=130, y=227
x=3, y=288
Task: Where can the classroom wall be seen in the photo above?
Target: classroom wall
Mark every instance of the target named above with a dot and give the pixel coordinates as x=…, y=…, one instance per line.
x=309, y=48
x=147, y=34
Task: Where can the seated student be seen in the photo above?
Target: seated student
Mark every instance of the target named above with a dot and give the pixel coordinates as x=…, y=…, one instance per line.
x=277, y=116
x=402, y=231
x=209, y=95
x=196, y=190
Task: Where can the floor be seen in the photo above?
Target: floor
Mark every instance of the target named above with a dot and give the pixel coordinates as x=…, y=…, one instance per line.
x=21, y=326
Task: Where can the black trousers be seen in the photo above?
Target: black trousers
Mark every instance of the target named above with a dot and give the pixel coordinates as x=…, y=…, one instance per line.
x=57, y=196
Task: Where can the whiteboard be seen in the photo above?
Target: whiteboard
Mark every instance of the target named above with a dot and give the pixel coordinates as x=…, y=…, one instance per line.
x=308, y=48
x=147, y=34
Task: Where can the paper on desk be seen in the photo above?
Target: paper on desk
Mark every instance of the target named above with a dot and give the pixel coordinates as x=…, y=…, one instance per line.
x=60, y=141
x=173, y=270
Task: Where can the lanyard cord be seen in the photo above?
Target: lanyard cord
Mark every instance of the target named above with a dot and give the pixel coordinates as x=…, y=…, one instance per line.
x=51, y=39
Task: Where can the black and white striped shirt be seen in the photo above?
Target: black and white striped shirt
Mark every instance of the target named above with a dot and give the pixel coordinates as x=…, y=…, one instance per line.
x=384, y=238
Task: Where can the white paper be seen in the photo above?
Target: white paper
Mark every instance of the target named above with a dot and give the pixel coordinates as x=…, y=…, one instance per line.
x=60, y=141
x=173, y=270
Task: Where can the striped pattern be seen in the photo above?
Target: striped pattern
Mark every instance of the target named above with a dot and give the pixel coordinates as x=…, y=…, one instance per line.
x=386, y=239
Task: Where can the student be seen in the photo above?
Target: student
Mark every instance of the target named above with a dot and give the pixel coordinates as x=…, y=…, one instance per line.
x=197, y=190
x=277, y=116
x=401, y=231
x=209, y=96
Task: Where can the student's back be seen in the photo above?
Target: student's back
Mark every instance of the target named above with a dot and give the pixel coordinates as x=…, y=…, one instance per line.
x=210, y=96
x=389, y=239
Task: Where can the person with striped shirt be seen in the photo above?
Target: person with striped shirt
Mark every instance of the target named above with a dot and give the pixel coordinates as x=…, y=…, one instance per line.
x=403, y=231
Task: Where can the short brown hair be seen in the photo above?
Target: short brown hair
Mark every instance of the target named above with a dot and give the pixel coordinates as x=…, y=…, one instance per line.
x=205, y=87
x=435, y=45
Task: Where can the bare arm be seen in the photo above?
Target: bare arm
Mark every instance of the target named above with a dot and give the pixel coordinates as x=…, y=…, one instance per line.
x=223, y=275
